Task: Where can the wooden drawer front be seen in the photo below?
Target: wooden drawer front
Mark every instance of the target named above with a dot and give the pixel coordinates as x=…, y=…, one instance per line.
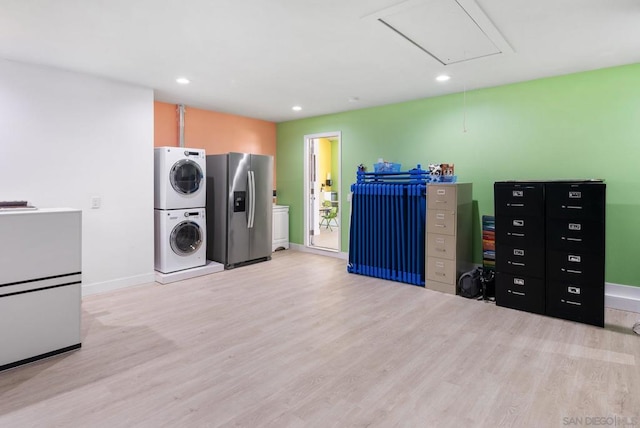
x=520, y=231
x=441, y=197
x=579, y=201
x=442, y=246
x=520, y=292
x=528, y=261
x=575, y=302
x=441, y=270
x=578, y=268
x=441, y=221
x=519, y=199
x=585, y=236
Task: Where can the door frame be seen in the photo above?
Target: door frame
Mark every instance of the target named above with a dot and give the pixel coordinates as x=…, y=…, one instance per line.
x=307, y=187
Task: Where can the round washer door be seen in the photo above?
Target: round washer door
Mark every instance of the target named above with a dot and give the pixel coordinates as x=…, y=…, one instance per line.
x=186, y=176
x=186, y=238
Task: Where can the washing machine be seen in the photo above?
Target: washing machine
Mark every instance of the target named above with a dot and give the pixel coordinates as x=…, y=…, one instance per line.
x=180, y=177
x=180, y=239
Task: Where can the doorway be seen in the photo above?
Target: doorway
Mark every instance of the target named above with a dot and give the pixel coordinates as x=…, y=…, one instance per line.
x=322, y=208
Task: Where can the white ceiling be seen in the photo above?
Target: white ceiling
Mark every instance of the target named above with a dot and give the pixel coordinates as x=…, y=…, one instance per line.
x=258, y=58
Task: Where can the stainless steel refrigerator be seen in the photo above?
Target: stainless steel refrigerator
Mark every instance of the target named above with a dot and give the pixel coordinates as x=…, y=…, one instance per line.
x=239, y=208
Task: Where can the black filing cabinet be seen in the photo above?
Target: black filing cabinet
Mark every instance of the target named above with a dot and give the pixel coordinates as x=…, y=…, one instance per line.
x=520, y=245
x=575, y=250
x=550, y=248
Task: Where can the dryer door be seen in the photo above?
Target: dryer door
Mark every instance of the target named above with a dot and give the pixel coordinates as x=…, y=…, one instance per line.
x=186, y=238
x=186, y=177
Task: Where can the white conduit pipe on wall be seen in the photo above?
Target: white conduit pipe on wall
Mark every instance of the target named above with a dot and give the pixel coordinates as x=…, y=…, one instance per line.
x=181, y=116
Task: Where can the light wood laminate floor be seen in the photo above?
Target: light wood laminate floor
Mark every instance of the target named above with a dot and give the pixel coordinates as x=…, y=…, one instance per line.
x=328, y=238
x=298, y=342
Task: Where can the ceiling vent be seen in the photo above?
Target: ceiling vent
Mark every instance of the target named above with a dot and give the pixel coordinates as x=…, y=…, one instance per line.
x=449, y=31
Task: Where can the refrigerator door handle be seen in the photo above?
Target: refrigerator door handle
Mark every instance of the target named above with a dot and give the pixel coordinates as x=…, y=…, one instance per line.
x=252, y=199
x=248, y=211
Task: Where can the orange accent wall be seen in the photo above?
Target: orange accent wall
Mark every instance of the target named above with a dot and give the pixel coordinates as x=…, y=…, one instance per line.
x=215, y=132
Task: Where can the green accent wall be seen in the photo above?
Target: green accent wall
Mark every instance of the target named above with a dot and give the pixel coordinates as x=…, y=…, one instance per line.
x=583, y=125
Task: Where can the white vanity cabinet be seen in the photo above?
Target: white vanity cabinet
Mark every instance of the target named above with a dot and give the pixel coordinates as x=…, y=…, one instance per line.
x=280, y=227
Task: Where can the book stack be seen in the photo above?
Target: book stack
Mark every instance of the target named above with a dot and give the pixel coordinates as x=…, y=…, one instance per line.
x=489, y=242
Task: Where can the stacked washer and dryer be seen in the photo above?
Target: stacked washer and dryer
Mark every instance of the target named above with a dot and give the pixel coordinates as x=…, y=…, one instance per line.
x=180, y=215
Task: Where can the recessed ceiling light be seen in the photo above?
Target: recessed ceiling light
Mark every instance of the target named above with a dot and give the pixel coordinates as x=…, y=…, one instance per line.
x=296, y=108
x=183, y=80
x=443, y=78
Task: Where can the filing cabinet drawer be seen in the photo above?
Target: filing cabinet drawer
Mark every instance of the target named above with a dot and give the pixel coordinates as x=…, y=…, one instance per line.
x=519, y=231
x=441, y=222
x=585, y=236
x=520, y=292
x=441, y=197
x=528, y=261
x=441, y=270
x=442, y=246
x=579, y=200
x=575, y=267
x=519, y=199
x=575, y=302
x=441, y=287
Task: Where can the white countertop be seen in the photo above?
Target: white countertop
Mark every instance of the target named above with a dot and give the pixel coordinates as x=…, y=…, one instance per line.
x=32, y=211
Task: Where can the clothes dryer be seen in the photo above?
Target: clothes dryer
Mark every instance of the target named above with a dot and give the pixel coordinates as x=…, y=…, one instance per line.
x=180, y=239
x=180, y=178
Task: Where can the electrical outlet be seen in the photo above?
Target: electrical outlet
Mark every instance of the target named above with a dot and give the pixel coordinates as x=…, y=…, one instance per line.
x=95, y=202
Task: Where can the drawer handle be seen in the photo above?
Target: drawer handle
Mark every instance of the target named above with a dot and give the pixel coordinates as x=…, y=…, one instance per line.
x=569, y=302
x=438, y=201
x=571, y=271
x=517, y=293
x=516, y=263
x=441, y=192
x=442, y=250
x=572, y=207
x=444, y=226
x=573, y=239
x=441, y=273
x=519, y=235
x=439, y=264
x=515, y=205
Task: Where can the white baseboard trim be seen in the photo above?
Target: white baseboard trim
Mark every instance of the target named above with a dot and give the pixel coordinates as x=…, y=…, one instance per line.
x=103, y=287
x=623, y=297
x=328, y=253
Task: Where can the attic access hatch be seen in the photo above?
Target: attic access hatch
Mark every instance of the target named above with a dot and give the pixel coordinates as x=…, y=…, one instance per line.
x=449, y=31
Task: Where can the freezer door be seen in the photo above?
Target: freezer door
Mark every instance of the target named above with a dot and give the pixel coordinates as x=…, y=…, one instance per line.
x=238, y=208
x=262, y=209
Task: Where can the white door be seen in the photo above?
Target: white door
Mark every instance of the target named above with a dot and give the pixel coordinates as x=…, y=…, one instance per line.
x=314, y=191
x=317, y=155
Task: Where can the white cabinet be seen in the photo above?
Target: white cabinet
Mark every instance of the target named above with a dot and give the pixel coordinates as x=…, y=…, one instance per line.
x=40, y=280
x=280, y=227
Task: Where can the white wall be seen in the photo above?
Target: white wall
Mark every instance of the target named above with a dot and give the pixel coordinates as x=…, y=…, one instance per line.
x=66, y=137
